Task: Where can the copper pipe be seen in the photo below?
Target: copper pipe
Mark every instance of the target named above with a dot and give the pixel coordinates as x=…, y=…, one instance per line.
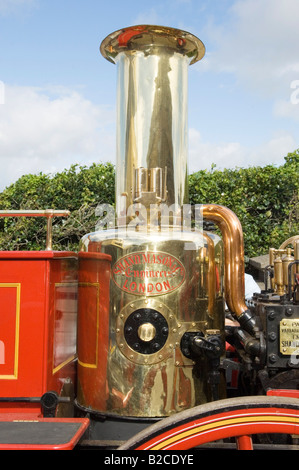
x=211, y=274
x=234, y=276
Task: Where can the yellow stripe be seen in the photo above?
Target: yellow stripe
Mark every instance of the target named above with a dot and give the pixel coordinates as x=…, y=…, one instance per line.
x=226, y=422
x=64, y=363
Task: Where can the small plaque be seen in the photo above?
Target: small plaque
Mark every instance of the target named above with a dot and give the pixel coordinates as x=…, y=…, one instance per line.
x=148, y=273
x=289, y=336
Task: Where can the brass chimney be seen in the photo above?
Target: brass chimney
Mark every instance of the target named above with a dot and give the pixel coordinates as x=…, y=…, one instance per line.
x=152, y=131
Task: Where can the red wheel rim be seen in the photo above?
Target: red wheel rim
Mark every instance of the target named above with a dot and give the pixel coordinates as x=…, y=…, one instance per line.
x=238, y=418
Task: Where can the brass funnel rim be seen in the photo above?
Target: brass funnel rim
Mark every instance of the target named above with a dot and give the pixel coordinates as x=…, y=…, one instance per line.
x=147, y=37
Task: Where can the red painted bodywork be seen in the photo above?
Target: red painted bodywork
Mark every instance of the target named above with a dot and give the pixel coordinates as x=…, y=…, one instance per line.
x=38, y=325
x=93, y=325
x=283, y=393
x=46, y=438
x=241, y=423
x=39, y=296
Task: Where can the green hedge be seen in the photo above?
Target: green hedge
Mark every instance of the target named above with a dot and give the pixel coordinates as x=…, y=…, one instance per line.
x=78, y=189
x=264, y=198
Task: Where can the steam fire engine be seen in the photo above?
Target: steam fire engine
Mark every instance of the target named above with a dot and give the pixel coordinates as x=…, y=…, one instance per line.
x=142, y=339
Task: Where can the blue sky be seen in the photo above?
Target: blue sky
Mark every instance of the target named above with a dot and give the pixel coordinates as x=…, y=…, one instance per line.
x=57, y=93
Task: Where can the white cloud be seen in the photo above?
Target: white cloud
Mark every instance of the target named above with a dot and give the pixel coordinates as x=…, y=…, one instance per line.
x=203, y=154
x=259, y=44
x=286, y=109
x=49, y=129
x=8, y=7
x=150, y=16
x=289, y=108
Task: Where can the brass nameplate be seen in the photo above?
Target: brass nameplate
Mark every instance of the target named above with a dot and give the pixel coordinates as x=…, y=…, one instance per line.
x=289, y=336
x=148, y=273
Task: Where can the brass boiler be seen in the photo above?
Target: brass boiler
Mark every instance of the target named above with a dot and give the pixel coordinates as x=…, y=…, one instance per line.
x=167, y=277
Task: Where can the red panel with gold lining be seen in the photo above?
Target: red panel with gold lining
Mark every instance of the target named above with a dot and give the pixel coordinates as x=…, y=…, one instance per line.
x=38, y=302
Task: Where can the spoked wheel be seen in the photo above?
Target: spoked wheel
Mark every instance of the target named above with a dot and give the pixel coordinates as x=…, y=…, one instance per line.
x=238, y=418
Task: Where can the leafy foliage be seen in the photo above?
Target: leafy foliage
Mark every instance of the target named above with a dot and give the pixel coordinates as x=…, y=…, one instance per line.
x=78, y=189
x=266, y=200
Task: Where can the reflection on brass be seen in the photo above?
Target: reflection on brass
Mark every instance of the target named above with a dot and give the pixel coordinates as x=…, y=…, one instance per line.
x=278, y=275
x=161, y=382
x=211, y=274
x=150, y=186
x=287, y=259
x=166, y=278
x=152, y=132
x=280, y=260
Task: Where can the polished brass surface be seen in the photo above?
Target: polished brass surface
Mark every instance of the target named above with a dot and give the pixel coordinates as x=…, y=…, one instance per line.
x=160, y=382
x=287, y=259
x=278, y=276
x=210, y=259
x=150, y=37
x=150, y=186
x=167, y=278
x=280, y=259
x=152, y=132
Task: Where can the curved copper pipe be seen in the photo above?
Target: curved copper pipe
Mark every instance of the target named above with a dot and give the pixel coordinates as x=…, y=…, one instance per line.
x=211, y=274
x=232, y=234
